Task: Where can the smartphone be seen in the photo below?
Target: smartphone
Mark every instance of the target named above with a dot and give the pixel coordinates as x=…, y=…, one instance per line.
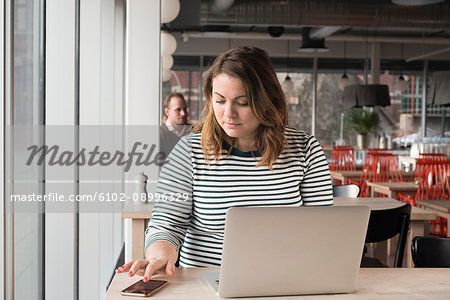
x=143, y=289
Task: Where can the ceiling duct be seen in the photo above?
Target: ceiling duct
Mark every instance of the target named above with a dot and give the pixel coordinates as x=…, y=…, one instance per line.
x=344, y=13
x=310, y=45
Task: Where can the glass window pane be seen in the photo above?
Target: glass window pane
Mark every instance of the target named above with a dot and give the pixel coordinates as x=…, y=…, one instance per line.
x=25, y=228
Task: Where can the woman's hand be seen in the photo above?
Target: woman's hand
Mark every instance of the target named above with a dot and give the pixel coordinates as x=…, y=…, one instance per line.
x=160, y=257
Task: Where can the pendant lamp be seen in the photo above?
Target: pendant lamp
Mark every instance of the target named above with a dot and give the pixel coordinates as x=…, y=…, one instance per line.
x=401, y=84
x=360, y=95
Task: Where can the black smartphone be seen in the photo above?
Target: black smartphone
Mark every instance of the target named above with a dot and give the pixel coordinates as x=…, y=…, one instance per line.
x=143, y=289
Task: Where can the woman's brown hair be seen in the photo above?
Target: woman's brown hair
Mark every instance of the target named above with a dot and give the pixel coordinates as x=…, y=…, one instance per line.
x=265, y=97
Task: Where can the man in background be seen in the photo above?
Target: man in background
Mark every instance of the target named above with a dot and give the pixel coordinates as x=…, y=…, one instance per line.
x=175, y=122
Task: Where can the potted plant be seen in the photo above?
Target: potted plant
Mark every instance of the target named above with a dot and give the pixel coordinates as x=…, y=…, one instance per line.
x=363, y=122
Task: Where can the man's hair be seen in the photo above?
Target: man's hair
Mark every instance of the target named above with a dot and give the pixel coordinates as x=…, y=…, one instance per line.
x=265, y=97
x=169, y=98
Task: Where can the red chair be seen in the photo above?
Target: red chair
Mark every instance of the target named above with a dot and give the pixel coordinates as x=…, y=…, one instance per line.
x=380, y=166
x=433, y=156
x=426, y=157
x=342, y=159
x=433, y=183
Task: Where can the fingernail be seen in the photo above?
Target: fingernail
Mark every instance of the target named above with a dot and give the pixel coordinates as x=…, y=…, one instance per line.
x=131, y=272
x=145, y=278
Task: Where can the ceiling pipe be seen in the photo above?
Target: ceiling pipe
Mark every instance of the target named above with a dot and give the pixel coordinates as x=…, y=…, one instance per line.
x=320, y=33
x=318, y=13
x=338, y=37
x=428, y=54
x=310, y=45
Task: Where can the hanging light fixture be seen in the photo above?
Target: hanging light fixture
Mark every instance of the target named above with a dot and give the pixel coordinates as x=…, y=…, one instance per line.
x=169, y=10
x=360, y=95
x=344, y=81
x=168, y=43
x=288, y=84
x=402, y=84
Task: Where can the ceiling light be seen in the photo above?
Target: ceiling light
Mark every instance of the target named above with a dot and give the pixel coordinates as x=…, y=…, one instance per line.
x=360, y=95
x=288, y=85
x=168, y=43
x=169, y=10
x=275, y=31
x=166, y=74
x=401, y=84
x=167, y=62
x=343, y=82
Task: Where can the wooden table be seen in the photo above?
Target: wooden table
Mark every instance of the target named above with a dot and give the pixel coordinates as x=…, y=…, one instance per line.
x=139, y=214
x=391, y=189
x=416, y=227
x=440, y=207
x=372, y=283
x=343, y=176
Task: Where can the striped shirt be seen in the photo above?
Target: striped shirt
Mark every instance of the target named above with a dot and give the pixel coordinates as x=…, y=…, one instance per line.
x=195, y=222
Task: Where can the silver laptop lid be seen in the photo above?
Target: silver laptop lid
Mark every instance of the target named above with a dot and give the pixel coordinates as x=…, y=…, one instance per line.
x=290, y=251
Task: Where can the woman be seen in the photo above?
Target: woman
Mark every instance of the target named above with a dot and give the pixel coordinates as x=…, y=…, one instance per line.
x=242, y=154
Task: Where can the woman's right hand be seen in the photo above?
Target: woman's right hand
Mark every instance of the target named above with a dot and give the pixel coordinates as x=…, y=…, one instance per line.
x=160, y=258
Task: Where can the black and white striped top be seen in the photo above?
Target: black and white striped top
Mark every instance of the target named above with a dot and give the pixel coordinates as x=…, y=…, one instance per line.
x=300, y=176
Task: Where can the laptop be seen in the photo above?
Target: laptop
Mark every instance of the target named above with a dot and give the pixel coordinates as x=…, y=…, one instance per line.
x=275, y=251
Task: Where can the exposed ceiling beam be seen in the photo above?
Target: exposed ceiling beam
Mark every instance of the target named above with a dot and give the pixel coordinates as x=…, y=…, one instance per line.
x=337, y=37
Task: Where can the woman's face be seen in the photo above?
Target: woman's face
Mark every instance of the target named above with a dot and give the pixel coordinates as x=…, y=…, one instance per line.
x=232, y=111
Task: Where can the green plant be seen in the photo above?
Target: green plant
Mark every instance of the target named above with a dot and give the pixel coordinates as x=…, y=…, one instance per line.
x=360, y=120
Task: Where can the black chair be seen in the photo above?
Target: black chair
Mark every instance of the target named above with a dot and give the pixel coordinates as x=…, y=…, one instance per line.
x=385, y=224
x=346, y=190
x=431, y=252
